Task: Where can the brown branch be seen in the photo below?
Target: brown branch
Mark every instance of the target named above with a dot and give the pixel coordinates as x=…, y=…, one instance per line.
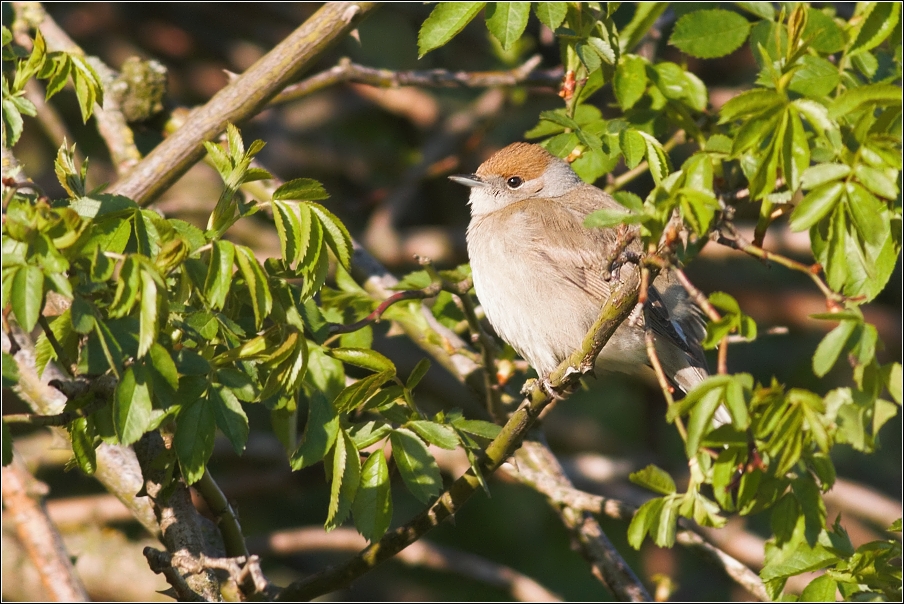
x=736, y=241
x=22, y=495
x=374, y=317
x=664, y=386
x=526, y=74
x=241, y=99
x=606, y=564
x=59, y=419
x=711, y=312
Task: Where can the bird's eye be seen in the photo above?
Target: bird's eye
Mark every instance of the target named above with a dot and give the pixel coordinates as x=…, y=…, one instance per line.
x=514, y=182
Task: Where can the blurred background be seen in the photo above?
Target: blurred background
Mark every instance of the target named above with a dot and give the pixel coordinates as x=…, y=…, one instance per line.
x=384, y=155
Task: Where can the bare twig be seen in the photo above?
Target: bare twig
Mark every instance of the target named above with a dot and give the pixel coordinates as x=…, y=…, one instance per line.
x=22, y=499
x=605, y=561
x=662, y=379
x=346, y=71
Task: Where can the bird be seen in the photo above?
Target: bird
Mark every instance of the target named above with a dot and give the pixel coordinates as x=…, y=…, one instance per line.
x=542, y=277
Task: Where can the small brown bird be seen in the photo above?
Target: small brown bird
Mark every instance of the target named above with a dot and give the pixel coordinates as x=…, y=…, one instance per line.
x=540, y=273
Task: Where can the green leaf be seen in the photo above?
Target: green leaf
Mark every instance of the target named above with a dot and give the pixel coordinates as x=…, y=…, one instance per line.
x=363, y=357
x=823, y=173
x=416, y=466
x=419, y=371
x=630, y=81
x=193, y=441
x=551, y=14
x=816, y=78
x=444, y=23
x=301, y=189
x=346, y=474
x=632, y=145
x=589, y=56
x=707, y=34
x=507, y=21
x=82, y=441
x=319, y=432
x=132, y=405
x=288, y=229
x=477, y=427
x=655, y=479
x=372, y=508
x=644, y=518
x=147, y=317
x=758, y=101
x=335, y=234
x=820, y=589
x=358, y=393
x=878, y=181
x=822, y=33
x=610, y=217
x=436, y=434
x=660, y=167
x=854, y=98
x=257, y=283
x=27, y=296
x=879, y=23
x=816, y=205
x=762, y=10
x=219, y=273
x=230, y=417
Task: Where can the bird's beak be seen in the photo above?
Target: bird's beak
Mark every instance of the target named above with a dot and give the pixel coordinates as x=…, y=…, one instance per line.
x=468, y=180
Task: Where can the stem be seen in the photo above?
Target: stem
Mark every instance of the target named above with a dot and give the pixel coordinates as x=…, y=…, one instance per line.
x=227, y=520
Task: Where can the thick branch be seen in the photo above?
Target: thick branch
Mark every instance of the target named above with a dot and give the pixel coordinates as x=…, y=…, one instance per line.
x=241, y=99
x=21, y=498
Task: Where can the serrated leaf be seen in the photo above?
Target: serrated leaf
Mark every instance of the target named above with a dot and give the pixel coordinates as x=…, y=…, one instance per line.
x=655, y=479
x=630, y=81
x=589, y=56
x=230, y=417
x=610, y=217
x=194, y=438
x=372, y=508
x=644, y=518
x=346, y=480
x=444, y=23
x=822, y=33
x=753, y=102
x=632, y=145
x=507, y=21
x=363, y=357
x=256, y=281
x=551, y=14
x=319, y=432
x=816, y=78
x=880, y=22
x=854, y=98
x=219, y=273
x=416, y=466
x=358, y=393
x=816, y=205
x=419, y=371
x=764, y=10
x=288, y=229
x=131, y=405
x=147, y=317
x=301, y=189
x=823, y=173
x=707, y=34
x=27, y=296
x=435, y=434
x=335, y=234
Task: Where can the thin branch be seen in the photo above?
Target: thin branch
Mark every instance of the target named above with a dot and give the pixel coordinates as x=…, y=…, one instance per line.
x=59, y=419
x=227, y=519
x=617, y=182
x=241, y=99
x=412, y=294
x=711, y=312
x=663, y=380
x=525, y=74
x=736, y=241
x=605, y=561
x=22, y=499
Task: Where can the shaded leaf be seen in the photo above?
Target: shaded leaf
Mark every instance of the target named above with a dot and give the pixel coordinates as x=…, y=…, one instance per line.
x=444, y=23
x=416, y=466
